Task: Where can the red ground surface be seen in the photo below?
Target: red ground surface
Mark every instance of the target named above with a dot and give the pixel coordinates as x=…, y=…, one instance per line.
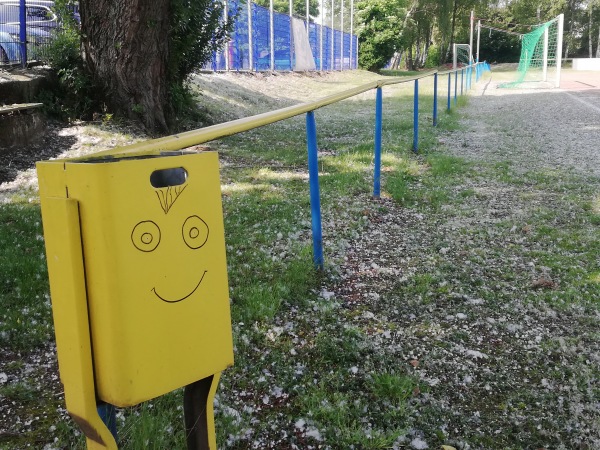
x=572, y=80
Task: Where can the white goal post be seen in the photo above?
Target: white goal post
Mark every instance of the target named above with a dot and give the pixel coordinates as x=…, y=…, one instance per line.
x=461, y=53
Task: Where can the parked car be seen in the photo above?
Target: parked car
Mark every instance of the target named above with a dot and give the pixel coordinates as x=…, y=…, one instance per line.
x=10, y=47
x=36, y=15
x=41, y=20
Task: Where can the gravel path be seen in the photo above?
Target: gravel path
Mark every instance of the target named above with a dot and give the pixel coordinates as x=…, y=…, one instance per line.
x=533, y=128
x=498, y=361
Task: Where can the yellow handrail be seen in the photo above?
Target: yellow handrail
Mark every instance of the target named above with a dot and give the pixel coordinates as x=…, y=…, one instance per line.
x=195, y=137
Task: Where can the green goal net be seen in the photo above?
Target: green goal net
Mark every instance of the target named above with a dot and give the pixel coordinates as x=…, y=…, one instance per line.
x=540, y=60
x=461, y=55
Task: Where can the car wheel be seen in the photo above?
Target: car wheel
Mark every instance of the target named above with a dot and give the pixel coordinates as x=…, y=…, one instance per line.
x=3, y=56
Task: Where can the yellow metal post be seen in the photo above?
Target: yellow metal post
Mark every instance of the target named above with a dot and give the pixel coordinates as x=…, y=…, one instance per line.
x=67, y=286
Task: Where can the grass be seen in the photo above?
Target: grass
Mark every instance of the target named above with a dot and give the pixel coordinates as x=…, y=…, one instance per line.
x=399, y=73
x=24, y=295
x=444, y=342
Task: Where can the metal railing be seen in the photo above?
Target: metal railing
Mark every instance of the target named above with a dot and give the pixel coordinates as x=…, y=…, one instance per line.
x=177, y=142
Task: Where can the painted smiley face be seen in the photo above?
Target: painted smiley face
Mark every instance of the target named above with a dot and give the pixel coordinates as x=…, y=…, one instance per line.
x=178, y=240
x=146, y=237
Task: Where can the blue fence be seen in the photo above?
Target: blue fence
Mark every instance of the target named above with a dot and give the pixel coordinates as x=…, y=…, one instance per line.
x=259, y=41
x=256, y=45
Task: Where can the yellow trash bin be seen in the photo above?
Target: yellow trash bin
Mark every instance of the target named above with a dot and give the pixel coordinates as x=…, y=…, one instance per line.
x=153, y=249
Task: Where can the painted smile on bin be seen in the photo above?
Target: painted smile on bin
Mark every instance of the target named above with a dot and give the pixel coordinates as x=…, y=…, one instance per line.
x=182, y=298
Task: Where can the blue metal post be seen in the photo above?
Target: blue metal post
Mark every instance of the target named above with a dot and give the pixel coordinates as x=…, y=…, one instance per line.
x=107, y=413
x=23, y=33
x=313, y=180
x=435, y=105
x=471, y=82
x=449, y=90
x=416, y=118
x=455, y=87
x=470, y=77
x=462, y=81
x=378, y=129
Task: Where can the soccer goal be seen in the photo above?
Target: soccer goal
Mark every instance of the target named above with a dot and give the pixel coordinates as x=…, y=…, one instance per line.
x=541, y=56
x=461, y=54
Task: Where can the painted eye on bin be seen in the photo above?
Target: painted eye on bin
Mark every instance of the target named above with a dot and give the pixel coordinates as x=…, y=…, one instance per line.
x=146, y=236
x=195, y=232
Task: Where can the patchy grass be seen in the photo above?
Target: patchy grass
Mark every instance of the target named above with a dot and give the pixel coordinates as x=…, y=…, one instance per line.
x=461, y=308
x=24, y=301
x=399, y=73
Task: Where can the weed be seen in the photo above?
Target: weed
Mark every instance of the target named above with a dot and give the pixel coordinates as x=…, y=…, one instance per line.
x=393, y=387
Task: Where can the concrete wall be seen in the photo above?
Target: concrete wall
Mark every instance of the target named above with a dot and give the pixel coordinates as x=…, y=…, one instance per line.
x=23, y=86
x=586, y=64
x=21, y=128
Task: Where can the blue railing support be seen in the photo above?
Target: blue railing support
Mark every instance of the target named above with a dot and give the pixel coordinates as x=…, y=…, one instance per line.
x=449, y=89
x=315, y=198
x=416, y=118
x=470, y=76
x=435, y=105
x=378, y=130
x=462, y=81
x=23, y=33
x=455, y=87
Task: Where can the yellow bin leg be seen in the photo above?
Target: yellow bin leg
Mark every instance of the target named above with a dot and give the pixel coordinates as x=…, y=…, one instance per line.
x=71, y=324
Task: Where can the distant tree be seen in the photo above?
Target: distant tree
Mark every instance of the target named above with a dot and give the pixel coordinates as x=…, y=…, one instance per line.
x=380, y=31
x=298, y=6
x=417, y=29
x=499, y=47
x=421, y=31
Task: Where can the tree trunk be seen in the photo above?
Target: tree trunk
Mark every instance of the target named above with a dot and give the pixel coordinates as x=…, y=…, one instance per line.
x=590, y=31
x=598, y=44
x=451, y=45
x=396, y=60
x=417, y=57
x=125, y=44
x=426, y=46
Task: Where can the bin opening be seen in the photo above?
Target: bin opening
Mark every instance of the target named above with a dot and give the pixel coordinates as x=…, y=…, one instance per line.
x=168, y=177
